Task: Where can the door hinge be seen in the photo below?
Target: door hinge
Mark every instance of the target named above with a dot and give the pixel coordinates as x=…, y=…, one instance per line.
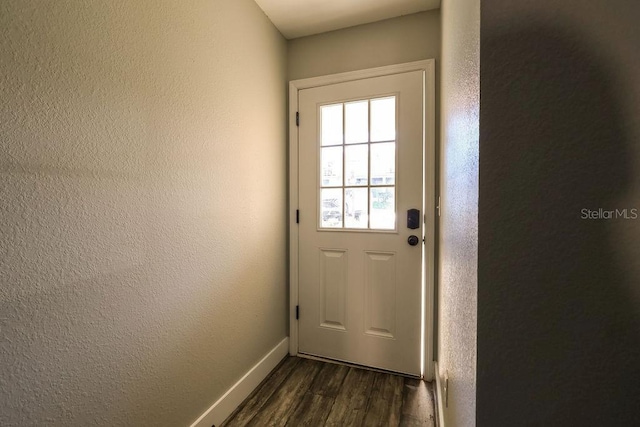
x=297, y=118
x=297, y=216
x=297, y=312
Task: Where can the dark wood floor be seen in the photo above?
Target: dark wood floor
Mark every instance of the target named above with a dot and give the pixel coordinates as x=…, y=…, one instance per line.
x=303, y=392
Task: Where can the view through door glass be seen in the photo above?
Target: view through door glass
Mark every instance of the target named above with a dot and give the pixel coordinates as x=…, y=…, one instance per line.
x=358, y=165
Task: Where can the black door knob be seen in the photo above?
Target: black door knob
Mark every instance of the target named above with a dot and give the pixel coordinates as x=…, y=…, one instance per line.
x=413, y=240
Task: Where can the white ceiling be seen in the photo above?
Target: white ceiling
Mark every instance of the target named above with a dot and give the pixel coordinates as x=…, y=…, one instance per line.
x=297, y=18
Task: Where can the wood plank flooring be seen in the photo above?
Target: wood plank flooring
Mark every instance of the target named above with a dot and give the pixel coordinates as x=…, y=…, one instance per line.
x=304, y=392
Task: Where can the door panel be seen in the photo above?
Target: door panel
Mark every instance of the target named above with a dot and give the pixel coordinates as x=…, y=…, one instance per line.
x=333, y=289
x=360, y=282
x=380, y=294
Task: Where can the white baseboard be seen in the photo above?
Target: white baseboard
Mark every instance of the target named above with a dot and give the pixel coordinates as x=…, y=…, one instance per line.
x=223, y=407
x=439, y=398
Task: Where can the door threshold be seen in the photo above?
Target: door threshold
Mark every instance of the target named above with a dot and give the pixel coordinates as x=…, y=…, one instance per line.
x=357, y=366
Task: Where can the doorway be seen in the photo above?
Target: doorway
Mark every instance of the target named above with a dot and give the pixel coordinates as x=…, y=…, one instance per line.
x=362, y=173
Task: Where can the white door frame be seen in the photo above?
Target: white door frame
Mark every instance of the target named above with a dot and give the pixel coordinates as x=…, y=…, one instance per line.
x=428, y=67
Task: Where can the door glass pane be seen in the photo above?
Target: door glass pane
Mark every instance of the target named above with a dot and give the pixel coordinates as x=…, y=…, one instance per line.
x=355, y=208
x=383, y=163
x=357, y=164
x=356, y=122
x=331, y=128
x=383, y=119
x=331, y=207
x=383, y=207
x=331, y=169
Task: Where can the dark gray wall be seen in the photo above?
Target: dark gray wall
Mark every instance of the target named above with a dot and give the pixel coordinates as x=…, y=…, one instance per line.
x=558, y=295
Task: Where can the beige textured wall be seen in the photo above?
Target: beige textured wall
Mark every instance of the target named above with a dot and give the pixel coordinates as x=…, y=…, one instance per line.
x=458, y=279
x=392, y=41
x=142, y=207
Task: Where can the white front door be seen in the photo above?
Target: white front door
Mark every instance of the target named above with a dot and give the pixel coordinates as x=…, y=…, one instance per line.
x=360, y=269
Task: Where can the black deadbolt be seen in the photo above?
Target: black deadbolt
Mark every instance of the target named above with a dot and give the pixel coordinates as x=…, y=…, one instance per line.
x=413, y=240
x=413, y=219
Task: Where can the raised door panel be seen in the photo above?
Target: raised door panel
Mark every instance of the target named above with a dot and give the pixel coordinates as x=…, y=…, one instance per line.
x=333, y=288
x=380, y=294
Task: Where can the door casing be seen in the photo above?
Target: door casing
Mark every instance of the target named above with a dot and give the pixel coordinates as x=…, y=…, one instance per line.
x=429, y=135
